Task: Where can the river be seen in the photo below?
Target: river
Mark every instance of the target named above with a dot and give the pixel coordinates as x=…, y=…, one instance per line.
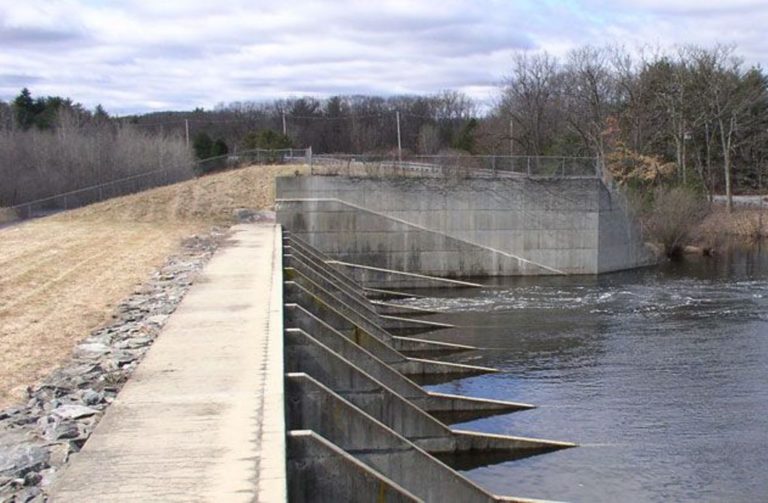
x=659, y=374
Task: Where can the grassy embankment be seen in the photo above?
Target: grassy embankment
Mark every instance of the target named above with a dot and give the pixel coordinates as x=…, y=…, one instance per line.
x=62, y=276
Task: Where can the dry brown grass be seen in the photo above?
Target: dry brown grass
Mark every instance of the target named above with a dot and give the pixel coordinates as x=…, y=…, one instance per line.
x=62, y=276
x=7, y=215
x=720, y=226
x=209, y=199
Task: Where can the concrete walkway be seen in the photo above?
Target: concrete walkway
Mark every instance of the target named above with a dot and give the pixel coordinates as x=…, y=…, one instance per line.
x=202, y=417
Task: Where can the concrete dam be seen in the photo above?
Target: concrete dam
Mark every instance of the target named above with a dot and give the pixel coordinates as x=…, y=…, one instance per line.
x=285, y=375
x=277, y=379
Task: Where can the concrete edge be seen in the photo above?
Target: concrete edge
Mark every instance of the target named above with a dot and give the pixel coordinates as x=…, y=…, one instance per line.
x=272, y=472
x=434, y=324
x=544, y=441
x=447, y=281
x=391, y=293
x=465, y=398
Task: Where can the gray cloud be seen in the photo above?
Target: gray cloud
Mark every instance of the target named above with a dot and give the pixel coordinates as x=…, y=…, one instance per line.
x=14, y=80
x=24, y=36
x=139, y=55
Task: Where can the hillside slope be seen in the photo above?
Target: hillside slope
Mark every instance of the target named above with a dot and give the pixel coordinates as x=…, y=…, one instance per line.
x=61, y=276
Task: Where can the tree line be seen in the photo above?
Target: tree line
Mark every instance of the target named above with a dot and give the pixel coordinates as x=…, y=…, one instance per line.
x=692, y=115
x=688, y=115
x=339, y=124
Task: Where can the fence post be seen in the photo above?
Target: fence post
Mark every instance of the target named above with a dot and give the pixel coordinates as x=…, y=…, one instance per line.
x=529, y=165
x=309, y=155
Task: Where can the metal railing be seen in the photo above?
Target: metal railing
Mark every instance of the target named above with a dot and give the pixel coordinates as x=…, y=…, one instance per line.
x=155, y=178
x=487, y=166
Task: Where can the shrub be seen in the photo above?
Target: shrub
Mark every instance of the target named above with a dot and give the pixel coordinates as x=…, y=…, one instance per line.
x=202, y=145
x=267, y=139
x=671, y=215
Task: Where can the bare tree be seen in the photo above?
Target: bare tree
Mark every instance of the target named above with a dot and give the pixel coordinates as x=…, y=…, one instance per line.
x=531, y=98
x=589, y=95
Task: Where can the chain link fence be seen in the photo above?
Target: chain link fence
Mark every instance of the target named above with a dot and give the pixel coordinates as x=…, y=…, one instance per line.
x=458, y=166
x=151, y=179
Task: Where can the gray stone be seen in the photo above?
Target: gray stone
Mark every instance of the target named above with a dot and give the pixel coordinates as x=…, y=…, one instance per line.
x=29, y=495
x=10, y=412
x=18, y=460
x=32, y=478
x=62, y=430
x=91, y=350
x=58, y=455
x=74, y=411
x=91, y=397
x=135, y=342
x=122, y=358
x=157, y=319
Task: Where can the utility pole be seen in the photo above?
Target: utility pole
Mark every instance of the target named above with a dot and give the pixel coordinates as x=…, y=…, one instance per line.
x=399, y=143
x=186, y=130
x=511, y=137
x=285, y=129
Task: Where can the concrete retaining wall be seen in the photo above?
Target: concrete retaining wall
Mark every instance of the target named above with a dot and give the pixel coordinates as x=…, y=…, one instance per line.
x=461, y=228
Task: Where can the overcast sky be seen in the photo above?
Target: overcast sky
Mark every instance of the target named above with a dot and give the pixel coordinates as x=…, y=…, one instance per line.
x=144, y=55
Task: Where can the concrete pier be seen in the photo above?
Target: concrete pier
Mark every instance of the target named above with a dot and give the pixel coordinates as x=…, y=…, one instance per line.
x=202, y=418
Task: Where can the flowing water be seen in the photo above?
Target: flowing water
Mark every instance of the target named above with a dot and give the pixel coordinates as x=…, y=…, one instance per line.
x=660, y=375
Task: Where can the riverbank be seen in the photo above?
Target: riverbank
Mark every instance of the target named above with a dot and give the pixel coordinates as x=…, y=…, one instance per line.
x=720, y=229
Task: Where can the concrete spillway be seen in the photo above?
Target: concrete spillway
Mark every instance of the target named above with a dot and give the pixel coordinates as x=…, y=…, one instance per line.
x=351, y=403
x=277, y=379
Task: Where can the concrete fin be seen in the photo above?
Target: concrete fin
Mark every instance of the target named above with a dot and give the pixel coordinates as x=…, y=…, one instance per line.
x=315, y=407
x=411, y=345
x=335, y=359
x=381, y=293
x=460, y=449
x=387, y=308
x=405, y=326
x=319, y=472
x=430, y=281
x=331, y=273
x=348, y=321
x=410, y=366
x=317, y=257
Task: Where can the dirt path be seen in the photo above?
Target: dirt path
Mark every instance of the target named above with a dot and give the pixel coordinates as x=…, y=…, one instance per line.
x=62, y=276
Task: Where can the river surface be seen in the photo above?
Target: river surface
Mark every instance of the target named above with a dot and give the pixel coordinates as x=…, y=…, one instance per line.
x=660, y=375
